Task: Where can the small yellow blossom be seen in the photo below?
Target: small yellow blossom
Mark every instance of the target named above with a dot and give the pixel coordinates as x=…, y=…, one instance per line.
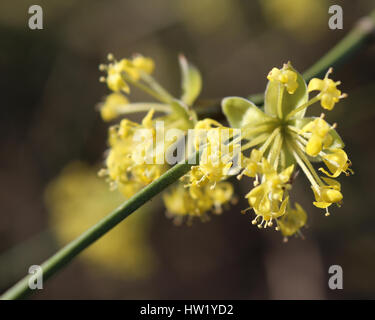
x=195, y=201
x=131, y=68
x=327, y=194
x=221, y=194
x=252, y=165
x=115, y=80
x=292, y=221
x=201, y=128
x=217, y=155
x=337, y=161
x=287, y=77
x=329, y=95
x=147, y=65
x=127, y=158
x=111, y=105
x=265, y=199
x=320, y=137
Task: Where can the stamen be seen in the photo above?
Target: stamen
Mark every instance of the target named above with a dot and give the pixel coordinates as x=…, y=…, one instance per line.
x=327, y=212
x=329, y=71
x=256, y=181
x=246, y=210
x=343, y=96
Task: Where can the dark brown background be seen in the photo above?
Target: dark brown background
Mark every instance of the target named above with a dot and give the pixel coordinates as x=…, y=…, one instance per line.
x=49, y=87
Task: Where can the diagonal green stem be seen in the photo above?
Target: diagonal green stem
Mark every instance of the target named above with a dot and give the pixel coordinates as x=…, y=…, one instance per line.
x=348, y=46
x=72, y=249
x=351, y=43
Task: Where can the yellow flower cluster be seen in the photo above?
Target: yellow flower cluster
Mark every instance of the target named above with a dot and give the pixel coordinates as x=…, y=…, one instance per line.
x=282, y=137
x=119, y=75
x=127, y=165
x=329, y=95
x=268, y=199
x=112, y=106
x=266, y=144
x=131, y=69
x=133, y=163
x=182, y=202
x=286, y=77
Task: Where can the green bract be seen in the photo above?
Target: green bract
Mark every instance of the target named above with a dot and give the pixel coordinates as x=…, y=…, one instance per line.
x=289, y=101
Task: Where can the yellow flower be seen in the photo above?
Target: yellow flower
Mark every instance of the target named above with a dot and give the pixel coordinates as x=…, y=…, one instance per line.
x=267, y=198
x=286, y=77
x=327, y=194
x=147, y=65
x=110, y=108
x=320, y=137
x=176, y=200
x=115, y=80
x=277, y=137
x=182, y=202
x=252, y=165
x=116, y=70
x=337, y=161
x=129, y=160
x=221, y=194
x=281, y=136
x=201, y=128
x=216, y=158
x=292, y=221
x=329, y=95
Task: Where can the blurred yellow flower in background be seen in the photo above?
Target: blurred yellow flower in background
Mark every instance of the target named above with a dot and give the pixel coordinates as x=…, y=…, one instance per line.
x=210, y=16
x=76, y=200
x=305, y=19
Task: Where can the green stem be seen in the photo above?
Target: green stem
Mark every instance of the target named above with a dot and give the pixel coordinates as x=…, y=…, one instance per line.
x=350, y=44
x=346, y=48
x=72, y=249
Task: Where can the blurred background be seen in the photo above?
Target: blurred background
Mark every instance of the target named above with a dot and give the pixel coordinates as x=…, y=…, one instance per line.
x=53, y=142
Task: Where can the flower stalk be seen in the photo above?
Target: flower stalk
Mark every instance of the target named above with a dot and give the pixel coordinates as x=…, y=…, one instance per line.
x=72, y=249
x=345, y=48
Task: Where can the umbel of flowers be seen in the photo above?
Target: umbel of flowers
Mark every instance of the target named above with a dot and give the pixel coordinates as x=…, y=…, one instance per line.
x=274, y=141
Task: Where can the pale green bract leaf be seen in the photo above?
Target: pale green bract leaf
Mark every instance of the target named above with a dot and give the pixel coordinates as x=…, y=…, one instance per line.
x=191, y=81
x=241, y=112
x=290, y=101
